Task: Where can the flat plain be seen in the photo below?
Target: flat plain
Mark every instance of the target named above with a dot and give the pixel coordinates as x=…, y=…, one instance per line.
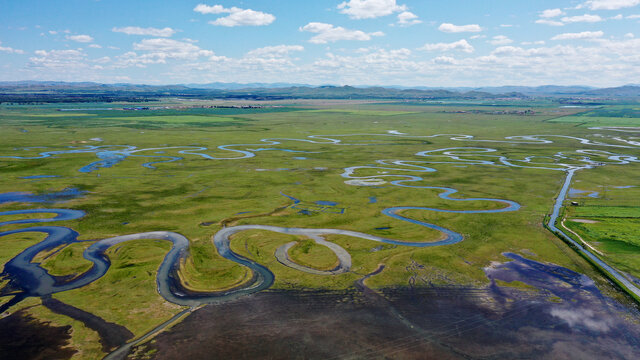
x=400, y=172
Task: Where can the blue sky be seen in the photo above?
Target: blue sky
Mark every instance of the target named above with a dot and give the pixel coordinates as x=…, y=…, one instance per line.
x=355, y=42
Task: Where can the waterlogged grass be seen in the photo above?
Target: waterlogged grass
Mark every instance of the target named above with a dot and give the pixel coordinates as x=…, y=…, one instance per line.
x=178, y=119
x=194, y=196
x=130, y=280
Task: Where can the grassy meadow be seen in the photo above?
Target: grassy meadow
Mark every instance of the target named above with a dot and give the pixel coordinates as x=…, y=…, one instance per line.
x=195, y=196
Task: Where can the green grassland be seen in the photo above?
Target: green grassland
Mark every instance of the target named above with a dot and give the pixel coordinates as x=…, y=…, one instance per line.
x=614, y=217
x=310, y=254
x=620, y=115
x=589, y=121
x=195, y=196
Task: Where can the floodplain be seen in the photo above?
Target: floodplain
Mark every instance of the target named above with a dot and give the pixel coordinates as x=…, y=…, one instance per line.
x=151, y=231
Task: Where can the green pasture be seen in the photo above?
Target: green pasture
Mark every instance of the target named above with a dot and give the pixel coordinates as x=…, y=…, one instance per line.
x=589, y=121
x=613, y=217
x=619, y=115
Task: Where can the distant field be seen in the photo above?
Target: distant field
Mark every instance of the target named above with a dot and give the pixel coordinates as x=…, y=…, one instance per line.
x=363, y=112
x=95, y=115
x=588, y=121
x=615, y=111
x=604, y=116
x=607, y=211
x=179, y=119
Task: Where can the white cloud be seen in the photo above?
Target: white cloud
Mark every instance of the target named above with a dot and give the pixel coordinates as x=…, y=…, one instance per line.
x=551, y=13
x=206, y=9
x=236, y=17
x=614, y=60
x=539, y=42
x=80, y=38
x=450, y=28
x=150, y=31
x=329, y=33
x=581, y=18
x=58, y=59
x=369, y=9
x=102, y=60
x=461, y=45
x=274, y=51
x=53, y=32
x=171, y=48
x=585, y=35
x=407, y=18
x=629, y=35
x=549, y=22
x=500, y=40
x=380, y=60
x=95, y=46
x=327, y=69
x=609, y=4
x=159, y=50
x=268, y=59
x=444, y=60
x=635, y=16
x=617, y=17
x=549, y=18
x=506, y=25
x=245, y=17
x=10, y=50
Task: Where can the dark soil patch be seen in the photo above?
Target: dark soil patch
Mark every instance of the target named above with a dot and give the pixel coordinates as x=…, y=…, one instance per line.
x=23, y=338
x=111, y=335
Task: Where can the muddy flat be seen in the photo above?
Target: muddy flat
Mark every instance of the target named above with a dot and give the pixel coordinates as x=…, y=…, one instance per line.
x=442, y=323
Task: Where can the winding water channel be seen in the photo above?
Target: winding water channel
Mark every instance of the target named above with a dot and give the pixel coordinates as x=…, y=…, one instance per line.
x=30, y=279
x=111, y=155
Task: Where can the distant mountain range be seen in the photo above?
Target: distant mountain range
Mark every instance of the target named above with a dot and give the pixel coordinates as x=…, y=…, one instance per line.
x=549, y=90
x=50, y=91
x=237, y=86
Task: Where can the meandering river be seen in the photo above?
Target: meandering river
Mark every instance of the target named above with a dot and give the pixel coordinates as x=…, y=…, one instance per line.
x=30, y=279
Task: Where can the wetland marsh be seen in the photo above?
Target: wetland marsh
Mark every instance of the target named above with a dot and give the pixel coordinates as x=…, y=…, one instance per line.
x=163, y=222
